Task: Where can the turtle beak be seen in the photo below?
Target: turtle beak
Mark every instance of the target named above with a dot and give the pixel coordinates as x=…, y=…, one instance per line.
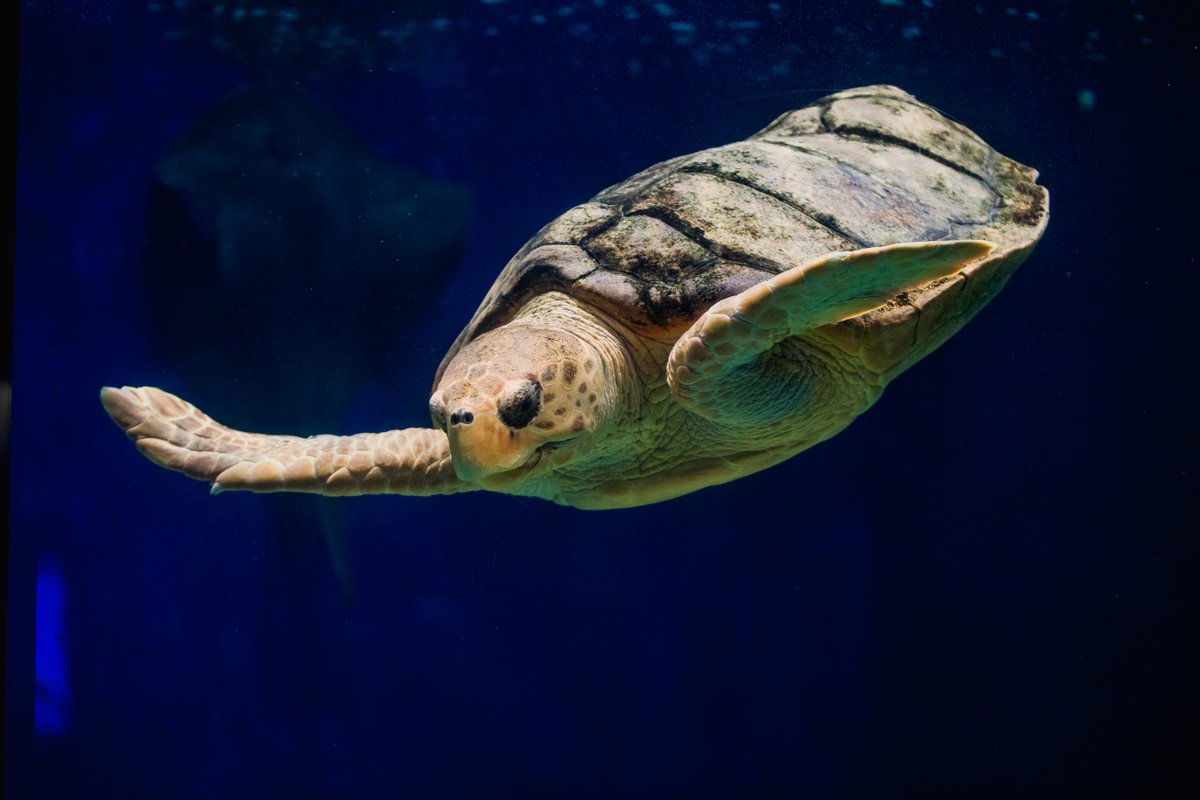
x=481, y=446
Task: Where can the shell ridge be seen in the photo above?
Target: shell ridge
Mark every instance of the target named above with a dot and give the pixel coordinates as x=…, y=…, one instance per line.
x=861, y=134
x=699, y=169
x=825, y=105
x=906, y=99
x=600, y=229
x=887, y=187
x=697, y=236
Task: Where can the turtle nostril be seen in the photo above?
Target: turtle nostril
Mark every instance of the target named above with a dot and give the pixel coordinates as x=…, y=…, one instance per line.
x=461, y=416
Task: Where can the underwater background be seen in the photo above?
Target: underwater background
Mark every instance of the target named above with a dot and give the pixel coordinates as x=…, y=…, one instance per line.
x=286, y=211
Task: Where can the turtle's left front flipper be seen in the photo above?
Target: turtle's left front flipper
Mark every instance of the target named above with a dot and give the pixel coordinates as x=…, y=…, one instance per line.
x=175, y=434
x=724, y=367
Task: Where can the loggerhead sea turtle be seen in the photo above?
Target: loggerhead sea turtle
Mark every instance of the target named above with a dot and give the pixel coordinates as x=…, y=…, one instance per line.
x=705, y=319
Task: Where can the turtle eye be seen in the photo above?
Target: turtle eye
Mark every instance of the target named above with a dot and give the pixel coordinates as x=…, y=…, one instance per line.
x=438, y=412
x=519, y=407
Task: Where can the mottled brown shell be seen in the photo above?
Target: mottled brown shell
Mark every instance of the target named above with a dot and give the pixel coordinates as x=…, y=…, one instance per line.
x=861, y=168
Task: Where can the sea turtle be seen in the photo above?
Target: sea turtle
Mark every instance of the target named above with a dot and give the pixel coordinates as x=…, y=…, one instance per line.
x=707, y=318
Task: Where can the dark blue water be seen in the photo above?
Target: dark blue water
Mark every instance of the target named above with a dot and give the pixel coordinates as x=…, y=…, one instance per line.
x=981, y=588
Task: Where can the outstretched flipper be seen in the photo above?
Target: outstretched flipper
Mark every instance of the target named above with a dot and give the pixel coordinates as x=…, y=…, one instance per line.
x=175, y=434
x=722, y=368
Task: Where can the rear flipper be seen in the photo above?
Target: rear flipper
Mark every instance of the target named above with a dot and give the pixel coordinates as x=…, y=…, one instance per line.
x=176, y=435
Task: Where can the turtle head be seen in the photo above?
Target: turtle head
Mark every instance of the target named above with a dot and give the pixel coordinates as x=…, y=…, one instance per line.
x=523, y=397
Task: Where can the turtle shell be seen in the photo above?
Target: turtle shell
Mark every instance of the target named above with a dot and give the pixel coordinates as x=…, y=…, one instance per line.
x=860, y=168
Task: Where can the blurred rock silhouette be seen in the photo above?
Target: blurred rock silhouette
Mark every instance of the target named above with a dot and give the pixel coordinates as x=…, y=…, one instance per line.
x=285, y=257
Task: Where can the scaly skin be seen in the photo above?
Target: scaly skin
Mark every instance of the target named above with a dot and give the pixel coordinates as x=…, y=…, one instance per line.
x=176, y=435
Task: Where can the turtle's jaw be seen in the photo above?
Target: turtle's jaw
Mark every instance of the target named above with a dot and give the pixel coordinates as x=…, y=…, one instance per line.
x=485, y=449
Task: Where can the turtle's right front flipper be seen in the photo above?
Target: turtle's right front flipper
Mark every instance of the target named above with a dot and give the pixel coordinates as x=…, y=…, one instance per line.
x=726, y=366
x=175, y=434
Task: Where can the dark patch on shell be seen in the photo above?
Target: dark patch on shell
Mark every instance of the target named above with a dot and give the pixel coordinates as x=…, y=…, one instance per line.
x=1026, y=203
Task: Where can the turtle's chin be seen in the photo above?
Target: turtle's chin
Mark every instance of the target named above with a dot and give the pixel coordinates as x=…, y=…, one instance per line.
x=538, y=462
x=488, y=453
